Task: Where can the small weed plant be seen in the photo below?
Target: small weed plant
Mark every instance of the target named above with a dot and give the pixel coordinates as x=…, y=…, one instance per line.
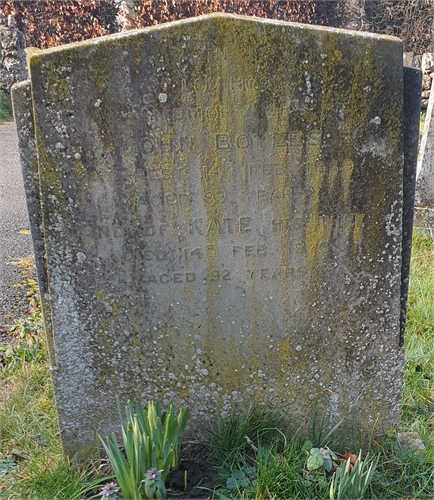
x=152, y=442
x=29, y=340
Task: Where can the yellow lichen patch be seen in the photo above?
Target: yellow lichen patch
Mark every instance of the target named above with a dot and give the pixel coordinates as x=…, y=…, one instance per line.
x=100, y=294
x=81, y=170
x=314, y=238
x=315, y=233
x=285, y=354
x=358, y=227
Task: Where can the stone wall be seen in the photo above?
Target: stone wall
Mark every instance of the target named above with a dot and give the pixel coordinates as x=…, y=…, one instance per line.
x=12, y=56
x=425, y=62
x=427, y=66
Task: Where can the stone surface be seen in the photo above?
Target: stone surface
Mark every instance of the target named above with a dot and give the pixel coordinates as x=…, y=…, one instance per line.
x=408, y=59
x=222, y=210
x=427, y=62
x=426, y=82
x=425, y=162
x=12, y=57
x=411, y=441
x=424, y=219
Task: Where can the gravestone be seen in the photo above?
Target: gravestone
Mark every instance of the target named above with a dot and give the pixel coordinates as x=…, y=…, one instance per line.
x=22, y=97
x=425, y=164
x=221, y=202
x=412, y=102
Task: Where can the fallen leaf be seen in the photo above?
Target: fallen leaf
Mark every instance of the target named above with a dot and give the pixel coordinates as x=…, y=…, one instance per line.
x=353, y=459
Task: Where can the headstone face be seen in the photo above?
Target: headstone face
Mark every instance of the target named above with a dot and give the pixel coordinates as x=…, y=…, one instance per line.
x=222, y=211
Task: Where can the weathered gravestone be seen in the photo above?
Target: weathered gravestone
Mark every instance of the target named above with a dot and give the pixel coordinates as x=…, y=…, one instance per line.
x=425, y=165
x=221, y=201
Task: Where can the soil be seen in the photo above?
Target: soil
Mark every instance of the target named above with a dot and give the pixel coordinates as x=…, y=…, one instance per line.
x=200, y=473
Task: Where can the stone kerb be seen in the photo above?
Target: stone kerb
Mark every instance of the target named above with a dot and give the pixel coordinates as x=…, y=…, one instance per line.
x=222, y=208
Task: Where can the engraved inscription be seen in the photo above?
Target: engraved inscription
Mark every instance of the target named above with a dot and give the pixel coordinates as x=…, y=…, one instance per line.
x=221, y=276
x=225, y=141
x=283, y=141
x=170, y=198
x=249, y=250
x=233, y=84
x=214, y=275
x=166, y=278
x=189, y=114
x=166, y=145
x=217, y=112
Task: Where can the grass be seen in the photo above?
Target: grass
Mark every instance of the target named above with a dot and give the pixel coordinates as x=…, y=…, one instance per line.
x=402, y=474
x=422, y=122
x=230, y=440
x=418, y=394
x=269, y=463
x=5, y=107
x=32, y=464
x=29, y=437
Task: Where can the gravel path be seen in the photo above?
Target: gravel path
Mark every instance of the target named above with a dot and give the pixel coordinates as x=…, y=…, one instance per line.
x=13, y=219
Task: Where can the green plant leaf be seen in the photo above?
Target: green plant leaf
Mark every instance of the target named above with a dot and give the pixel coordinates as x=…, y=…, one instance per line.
x=232, y=483
x=238, y=474
x=352, y=483
x=7, y=466
x=328, y=465
x=150, y=489
x=314, y=462
x=151, y=440
x=308, y=445
x=251, y=472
